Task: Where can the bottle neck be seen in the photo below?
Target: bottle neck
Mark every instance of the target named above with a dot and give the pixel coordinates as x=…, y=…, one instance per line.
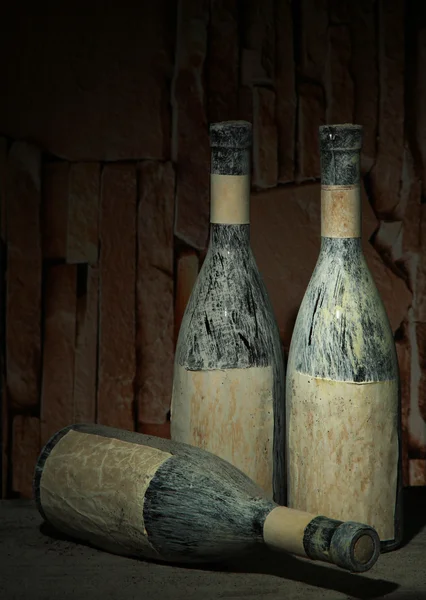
x=340, y=211
x=229, y=199
x=229, y=238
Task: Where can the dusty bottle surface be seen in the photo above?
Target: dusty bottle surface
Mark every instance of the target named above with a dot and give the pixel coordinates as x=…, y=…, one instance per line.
x=342, y=394
x=138, y=495
x=228, y=388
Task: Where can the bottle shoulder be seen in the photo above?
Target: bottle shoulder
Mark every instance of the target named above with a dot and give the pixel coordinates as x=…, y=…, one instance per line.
x=229, y=321
x=342, y=330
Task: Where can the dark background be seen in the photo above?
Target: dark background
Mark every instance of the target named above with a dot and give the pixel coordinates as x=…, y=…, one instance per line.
x=104, y=189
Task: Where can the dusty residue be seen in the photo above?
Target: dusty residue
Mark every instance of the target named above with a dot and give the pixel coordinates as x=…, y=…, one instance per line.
x=93, y=487
x=229, y=413
x=342, y=449
x=340, y=211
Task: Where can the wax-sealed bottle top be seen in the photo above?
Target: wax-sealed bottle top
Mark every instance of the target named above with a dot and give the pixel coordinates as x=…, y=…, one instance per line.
x=231, y=134
x=230, y=143
x=340, y=146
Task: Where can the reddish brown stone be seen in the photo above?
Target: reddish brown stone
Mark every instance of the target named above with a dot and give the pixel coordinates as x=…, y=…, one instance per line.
x=97, y=88
x=190, y=145
x=417, y=472
x=420, y=95
x=26, y=447
x=154, y=339
x=245, y=103
x=398, y=242
x=117, y=363
x=285, y=227
x=311, y=111
x=86, y=345
x=3, y=162
x=23, y=286
x=223, y=61
x=4, y=447
x=186, y=276
x=58, y=349
x=265, y=143
x=161, y=430
x=403, y=349
x=365, y=75
x=416, y=422
x=258, y=20
x=83, y=213
x=285, y=91
x=314, y=24
x=339, y=86
x=55, y=209
x=386, y=173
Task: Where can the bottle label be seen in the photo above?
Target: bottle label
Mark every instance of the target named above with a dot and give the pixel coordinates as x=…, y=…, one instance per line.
x=230, y=199
x=340, y=211
x=342, y=449
x=93, y=488
x=229, y=413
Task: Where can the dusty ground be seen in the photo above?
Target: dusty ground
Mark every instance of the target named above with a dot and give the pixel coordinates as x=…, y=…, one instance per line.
x=36, y=565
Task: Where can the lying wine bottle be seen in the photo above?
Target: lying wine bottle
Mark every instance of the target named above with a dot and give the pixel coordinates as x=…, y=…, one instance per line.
x=343, y=420
x=228, y=383
x=148, y=497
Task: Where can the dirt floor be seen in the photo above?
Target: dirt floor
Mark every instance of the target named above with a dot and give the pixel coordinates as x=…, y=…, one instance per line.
x=37, y=564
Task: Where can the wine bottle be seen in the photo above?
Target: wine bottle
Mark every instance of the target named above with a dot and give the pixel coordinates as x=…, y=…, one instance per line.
x=342, y=395
x=228, y=384
x=148, y=497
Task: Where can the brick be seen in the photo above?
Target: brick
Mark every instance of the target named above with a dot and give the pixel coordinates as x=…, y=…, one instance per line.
x=4, y=437
x=117, y=362
x=386, y=173
x=86, y=345
x=399, y=242
x=285, y=91
x=190, y=144
x=258, y=22
x=223, y=69
x=83, y=213
x=339, y=86
x=265, y=143
x=403, y=349
x=26, y=447
x=3, y=163
x=186, y=275
x=60, y=297
x=154, y=340
x=110, y=99
x=417, y=413
x=23, y=284
x=417, y=472
x=420, y=104
x=55, y=210
x=311, y=114
x=314, y=24
x=161, y=430
x=365, y=75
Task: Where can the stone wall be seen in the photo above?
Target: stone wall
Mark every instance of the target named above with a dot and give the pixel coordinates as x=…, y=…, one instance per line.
x=104, y=165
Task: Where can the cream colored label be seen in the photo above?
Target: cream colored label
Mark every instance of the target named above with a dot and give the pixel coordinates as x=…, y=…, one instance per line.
x=342, y=449
x=340, y=211
x=230, y=199
x=94, y=487
x=229, y=413
x=284, y=528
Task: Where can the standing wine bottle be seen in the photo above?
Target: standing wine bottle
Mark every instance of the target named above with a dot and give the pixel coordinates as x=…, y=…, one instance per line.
x=342, y=395
x=148, y=497
x=228, y=387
